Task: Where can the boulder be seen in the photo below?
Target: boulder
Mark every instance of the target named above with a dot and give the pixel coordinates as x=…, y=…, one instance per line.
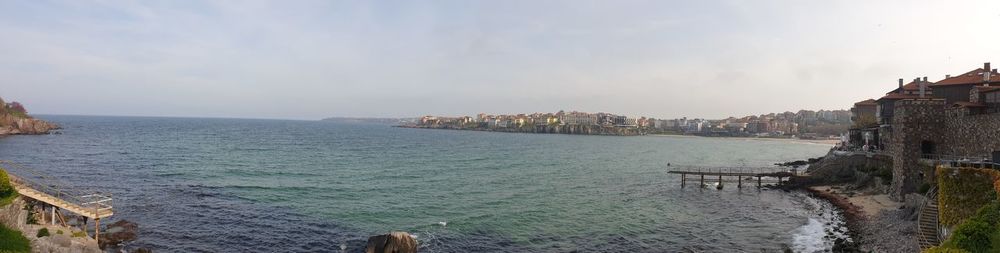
x=394, y=242
x=61, y=239
x=118, y=232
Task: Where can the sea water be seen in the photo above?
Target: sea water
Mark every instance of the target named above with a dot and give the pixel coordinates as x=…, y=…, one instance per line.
x=238, y=185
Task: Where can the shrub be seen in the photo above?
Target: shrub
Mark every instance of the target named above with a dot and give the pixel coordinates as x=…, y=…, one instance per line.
x=59, y=231
x=32, y=220
x=79, y=234
x=973, y=235
x=6, y=189
x=978, y=233
x=42, y=232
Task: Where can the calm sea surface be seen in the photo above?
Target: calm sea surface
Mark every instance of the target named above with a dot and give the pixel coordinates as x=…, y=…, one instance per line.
x=235, y=185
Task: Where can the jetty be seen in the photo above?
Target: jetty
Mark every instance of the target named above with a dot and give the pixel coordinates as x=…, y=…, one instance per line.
x=42, y=188
x=734, y=174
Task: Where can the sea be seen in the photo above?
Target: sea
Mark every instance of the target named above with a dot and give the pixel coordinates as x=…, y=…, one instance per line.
x=252, y=185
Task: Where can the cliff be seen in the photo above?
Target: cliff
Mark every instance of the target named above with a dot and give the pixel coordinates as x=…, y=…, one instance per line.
x=14, y=119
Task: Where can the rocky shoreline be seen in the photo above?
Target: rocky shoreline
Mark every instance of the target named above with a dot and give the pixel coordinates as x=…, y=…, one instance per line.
x=851, y=184
x=13, y=125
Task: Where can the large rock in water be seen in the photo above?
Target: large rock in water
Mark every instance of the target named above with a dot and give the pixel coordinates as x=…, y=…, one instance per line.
x=119, y=232
x=395, y=242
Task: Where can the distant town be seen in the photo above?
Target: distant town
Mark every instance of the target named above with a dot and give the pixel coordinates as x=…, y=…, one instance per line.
x=806, y=124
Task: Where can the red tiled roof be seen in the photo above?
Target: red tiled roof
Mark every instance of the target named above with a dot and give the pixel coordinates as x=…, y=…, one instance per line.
x=967, y=104
x=866, y=102
x=897, y=96
x=972, y=77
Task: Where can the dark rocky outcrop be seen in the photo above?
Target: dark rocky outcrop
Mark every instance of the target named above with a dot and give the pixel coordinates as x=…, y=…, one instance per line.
x=119, y=232
x=394, y=242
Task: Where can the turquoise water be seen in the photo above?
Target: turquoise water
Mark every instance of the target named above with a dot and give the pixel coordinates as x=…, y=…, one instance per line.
x=269, y=185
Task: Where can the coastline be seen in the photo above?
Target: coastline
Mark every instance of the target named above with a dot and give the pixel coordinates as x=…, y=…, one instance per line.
x=875, y=223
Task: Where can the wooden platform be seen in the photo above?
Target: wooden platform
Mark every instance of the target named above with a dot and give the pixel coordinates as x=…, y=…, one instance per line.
x=740, y=174
x=92, y=211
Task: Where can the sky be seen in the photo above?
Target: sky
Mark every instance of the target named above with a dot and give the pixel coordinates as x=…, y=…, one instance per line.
x=316, y=59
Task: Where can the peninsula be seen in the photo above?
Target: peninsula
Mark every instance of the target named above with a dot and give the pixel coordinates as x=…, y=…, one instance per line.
x=14, y=119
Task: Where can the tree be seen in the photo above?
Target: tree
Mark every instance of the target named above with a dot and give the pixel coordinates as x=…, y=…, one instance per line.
x=17, y=107
x=865, y=122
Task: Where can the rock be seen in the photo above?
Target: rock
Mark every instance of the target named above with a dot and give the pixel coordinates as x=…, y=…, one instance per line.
x=119, y=232
x=142, y=250
x=10, y=124
x=61, y=239
x=394, y=242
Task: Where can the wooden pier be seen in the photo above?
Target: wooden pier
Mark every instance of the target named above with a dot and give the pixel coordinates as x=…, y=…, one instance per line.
x=720, y=175
x=45, y=189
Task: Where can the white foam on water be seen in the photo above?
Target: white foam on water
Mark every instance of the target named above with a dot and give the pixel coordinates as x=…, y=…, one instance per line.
x=810, y=238
x=823, y=226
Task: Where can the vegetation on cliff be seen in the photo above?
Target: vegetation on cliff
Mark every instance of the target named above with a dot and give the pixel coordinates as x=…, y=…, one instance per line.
x=14, y=119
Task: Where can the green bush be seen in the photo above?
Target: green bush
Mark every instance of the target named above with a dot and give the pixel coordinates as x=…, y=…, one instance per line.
x=59, y=231
x=973, y=235
x=42, y=232
x=13, y=241
x=5, y=188
x=79, y=234
x=979, y=233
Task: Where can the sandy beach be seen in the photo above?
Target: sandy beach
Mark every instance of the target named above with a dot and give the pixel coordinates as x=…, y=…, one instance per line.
x=869, y=204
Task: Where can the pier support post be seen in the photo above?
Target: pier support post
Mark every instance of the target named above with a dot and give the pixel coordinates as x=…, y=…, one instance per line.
x=97, y=231
x=739, y=182
x=758, y=181
x=702, y=180
x=53, y=215
x=683, y=180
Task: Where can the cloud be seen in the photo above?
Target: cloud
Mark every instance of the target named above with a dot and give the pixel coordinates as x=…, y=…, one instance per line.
x=312, y=59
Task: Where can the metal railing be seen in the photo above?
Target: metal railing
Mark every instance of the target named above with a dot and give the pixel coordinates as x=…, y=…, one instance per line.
x=923, y=239
x=962, y=161
x=27, y=177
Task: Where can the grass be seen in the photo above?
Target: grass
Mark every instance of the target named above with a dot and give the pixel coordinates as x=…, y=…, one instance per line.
x=12, y=241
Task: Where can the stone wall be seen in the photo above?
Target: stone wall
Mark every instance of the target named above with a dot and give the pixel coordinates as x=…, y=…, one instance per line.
x=13, y=215
x=952, y=132
x=914, y=121
x=972, y=135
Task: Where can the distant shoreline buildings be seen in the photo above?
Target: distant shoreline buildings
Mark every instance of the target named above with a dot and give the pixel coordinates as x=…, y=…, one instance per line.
x=801, y=124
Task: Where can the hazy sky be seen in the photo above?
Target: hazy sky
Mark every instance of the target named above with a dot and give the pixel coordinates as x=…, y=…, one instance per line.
x=309, y=60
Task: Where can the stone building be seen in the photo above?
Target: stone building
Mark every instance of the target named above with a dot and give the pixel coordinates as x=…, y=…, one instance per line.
x=941, y=123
